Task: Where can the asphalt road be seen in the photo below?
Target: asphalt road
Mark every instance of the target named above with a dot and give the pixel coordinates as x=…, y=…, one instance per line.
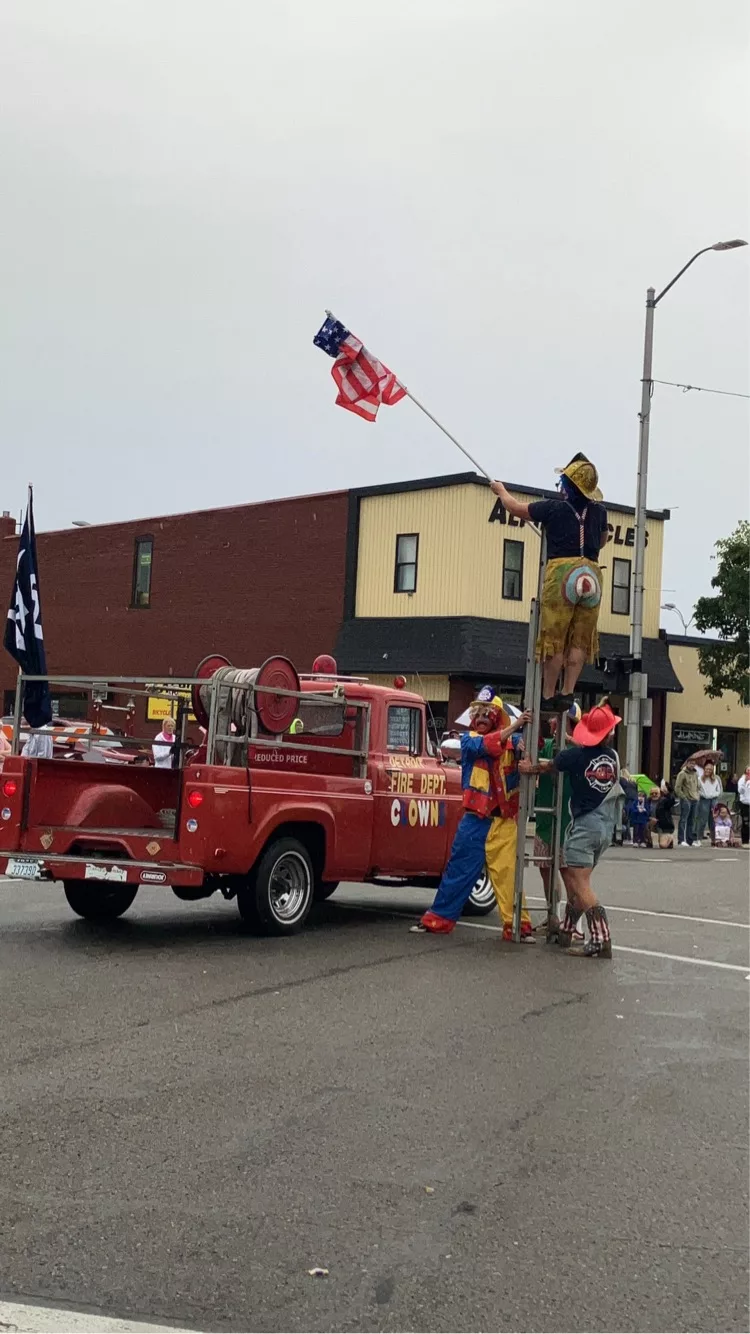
x=466, y=1134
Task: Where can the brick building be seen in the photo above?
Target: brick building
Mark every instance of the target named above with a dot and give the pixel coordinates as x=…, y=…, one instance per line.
x=154, y=596
x=428, y=578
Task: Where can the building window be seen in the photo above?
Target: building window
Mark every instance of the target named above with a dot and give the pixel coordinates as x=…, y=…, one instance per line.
x=404, y=730
x=621, y=587
x=144, y=550
x=405, y=576
x=512, y=570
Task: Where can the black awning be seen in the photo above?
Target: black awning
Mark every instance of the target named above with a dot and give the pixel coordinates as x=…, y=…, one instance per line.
x=472, y=646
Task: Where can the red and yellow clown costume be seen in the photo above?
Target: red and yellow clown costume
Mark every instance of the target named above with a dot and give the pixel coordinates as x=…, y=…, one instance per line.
x=486, y=835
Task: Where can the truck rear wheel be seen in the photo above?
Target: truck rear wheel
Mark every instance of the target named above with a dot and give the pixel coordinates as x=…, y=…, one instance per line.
x=99, y=902
x=277, y=896
x=482, y=899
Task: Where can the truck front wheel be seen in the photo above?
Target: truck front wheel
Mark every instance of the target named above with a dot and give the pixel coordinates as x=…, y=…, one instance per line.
x=482, y=899
x=277, y=896
x=99, y=902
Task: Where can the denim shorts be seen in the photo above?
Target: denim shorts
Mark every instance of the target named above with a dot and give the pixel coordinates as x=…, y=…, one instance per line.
x=589, y=835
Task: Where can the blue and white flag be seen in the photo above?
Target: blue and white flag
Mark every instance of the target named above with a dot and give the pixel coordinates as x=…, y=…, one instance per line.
x=24, y=639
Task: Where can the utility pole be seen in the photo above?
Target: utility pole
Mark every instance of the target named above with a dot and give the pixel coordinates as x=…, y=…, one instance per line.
x=638, y=695
x=638, y=679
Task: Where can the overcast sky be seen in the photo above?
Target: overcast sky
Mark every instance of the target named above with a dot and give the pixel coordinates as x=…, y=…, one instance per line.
x=481, y=189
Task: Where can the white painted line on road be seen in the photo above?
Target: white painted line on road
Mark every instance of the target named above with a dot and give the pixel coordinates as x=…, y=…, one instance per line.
x=626, y=949
x=651, y=912
x=54, y=1320
x=682, y=958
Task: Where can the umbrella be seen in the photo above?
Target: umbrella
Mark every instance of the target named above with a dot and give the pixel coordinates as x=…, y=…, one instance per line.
x=643, y=783
x=704, y=756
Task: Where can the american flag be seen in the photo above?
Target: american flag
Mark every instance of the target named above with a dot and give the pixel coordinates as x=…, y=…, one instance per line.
x=363, y=382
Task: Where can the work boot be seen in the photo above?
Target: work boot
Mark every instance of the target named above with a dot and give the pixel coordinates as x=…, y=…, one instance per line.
x=567, y=930
x=600, y=944
x=592, y=950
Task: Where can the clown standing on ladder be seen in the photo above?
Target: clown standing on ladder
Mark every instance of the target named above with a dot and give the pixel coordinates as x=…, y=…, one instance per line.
x=486, y=835
x=576, y=530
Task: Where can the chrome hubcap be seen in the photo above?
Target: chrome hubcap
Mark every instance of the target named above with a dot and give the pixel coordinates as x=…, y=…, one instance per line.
x=290, y=887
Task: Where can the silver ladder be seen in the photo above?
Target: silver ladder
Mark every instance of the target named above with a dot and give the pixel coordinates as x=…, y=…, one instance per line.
x=532, y=699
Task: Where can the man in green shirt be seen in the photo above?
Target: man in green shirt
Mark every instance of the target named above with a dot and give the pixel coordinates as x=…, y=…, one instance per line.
x=545, y=797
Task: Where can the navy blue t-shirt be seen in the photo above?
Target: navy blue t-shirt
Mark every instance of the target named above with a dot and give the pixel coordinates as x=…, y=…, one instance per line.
x=592, y=771
x=563, y=528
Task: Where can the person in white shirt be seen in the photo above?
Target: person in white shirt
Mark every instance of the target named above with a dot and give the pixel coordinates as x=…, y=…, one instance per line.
x=710, y=788
x=163, y=746
x=743, y=793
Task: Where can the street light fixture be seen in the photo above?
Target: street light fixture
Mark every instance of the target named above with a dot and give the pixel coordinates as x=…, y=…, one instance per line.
x=670, y=606
x=639, y=680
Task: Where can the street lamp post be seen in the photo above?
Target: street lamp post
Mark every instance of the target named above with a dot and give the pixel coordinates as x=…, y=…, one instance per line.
x=670, y=606
x=638, y=680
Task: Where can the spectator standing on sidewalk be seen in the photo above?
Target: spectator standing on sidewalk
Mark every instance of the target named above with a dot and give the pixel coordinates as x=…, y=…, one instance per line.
x=743, y=794
x=688, y=790
x=710, y=788
x=640, y=814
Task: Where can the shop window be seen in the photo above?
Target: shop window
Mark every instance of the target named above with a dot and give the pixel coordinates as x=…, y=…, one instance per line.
x=142, y=559
x=512, y=570
x=621, y=587
x=404, y=730
x=407, y=553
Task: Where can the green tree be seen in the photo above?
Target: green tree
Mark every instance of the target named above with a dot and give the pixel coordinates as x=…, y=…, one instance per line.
x=726, y=665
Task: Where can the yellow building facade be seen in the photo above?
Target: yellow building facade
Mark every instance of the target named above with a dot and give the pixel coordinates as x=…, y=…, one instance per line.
x=461, y=555
x=694, y=721
x=438, y=586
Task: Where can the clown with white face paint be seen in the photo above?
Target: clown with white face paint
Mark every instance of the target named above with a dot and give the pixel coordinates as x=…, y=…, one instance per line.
x=489, y=779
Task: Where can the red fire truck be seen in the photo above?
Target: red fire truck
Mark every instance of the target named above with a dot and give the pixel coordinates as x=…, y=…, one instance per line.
x=297, y=785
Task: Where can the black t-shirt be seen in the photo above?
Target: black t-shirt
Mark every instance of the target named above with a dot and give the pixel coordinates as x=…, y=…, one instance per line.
x=592, y=771
x=563, y=527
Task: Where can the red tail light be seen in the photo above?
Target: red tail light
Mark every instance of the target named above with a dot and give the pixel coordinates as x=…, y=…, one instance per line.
x=195, y=799
x=10, y=787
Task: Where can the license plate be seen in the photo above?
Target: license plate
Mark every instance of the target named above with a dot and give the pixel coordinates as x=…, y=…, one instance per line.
x=22, y=869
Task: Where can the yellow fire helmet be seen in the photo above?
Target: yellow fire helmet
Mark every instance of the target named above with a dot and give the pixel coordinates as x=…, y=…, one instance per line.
x=582, y=474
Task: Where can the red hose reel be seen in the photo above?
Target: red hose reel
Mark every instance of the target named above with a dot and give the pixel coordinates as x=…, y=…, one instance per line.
x=275, y=712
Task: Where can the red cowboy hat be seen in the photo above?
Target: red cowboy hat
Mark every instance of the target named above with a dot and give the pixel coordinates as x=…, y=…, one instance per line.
x=595, y=726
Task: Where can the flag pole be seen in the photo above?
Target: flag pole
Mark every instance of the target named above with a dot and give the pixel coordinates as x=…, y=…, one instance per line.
x=445, y=431
x=437, y=423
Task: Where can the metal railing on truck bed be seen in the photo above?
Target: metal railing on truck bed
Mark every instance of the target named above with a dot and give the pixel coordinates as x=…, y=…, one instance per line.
x=230, y=702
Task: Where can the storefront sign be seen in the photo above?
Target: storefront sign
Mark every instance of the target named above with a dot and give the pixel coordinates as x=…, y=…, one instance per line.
x=617, y=533
x=692, y=736
x=158, y=709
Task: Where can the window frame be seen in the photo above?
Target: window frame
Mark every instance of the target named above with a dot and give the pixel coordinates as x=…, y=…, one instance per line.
x=509, y=597
x=138, y=542
x=618, y=588
x=414, y=709
x=405, y=564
